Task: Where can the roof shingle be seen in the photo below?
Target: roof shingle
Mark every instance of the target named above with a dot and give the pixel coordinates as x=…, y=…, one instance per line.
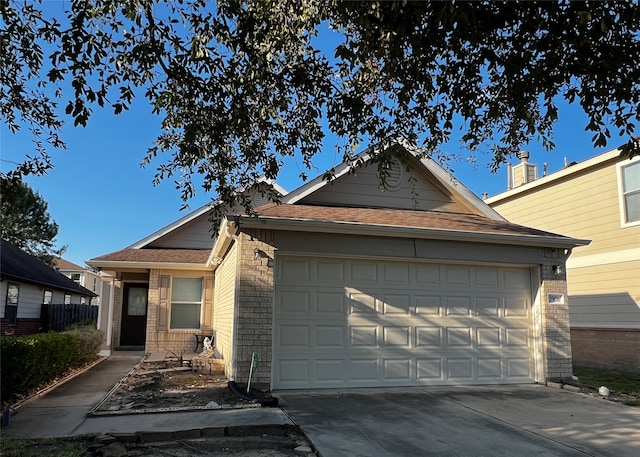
x=398, y=218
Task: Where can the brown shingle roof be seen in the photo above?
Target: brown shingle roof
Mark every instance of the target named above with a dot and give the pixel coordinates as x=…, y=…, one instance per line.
x=195, y=256
x=62, y=264
x=398, y=218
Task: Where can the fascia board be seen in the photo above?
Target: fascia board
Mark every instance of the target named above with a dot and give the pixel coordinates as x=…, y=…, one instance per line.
x=117, y=265
x=556, y=176
x=412, y=232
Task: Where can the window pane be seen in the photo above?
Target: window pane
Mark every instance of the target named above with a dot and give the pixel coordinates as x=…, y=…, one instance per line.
x=632, y=207
x=67, y=299
x=48, y=295
x=12, y=294
x=186, y=290
x=185, y=315
x=631, y=177
x=137, y=301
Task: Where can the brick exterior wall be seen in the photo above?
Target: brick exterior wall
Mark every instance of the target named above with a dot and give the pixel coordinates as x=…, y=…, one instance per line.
x=255, y=306
x=179, y=341
x=614, y=349
x=556, y=333
x=23, y=326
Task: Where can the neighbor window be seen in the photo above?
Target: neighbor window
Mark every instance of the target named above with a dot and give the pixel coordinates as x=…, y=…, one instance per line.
x=75, y=277
x=630, y=192
x=48, y=296
x=186, y=302
x=11, y=305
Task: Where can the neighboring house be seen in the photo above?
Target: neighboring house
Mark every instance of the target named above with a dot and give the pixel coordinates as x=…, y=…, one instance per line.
x=25, y=285
x=598, y=199
x=347, y=285
x=81, y=275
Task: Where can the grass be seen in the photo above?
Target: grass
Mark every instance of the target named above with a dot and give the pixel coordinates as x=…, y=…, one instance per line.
x=39, y=447
x=617, y=381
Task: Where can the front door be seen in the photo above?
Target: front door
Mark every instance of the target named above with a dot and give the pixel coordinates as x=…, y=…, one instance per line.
x=134, y=315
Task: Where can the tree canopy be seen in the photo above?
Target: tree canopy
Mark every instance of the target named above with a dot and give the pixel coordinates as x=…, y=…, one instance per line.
x=241, y=86
x=25, y=221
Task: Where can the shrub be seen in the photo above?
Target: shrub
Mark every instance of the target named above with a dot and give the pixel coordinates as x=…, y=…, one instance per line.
x=32, y=360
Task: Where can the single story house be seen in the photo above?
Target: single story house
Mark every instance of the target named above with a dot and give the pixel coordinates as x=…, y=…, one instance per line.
x=26, y=284
x=347, y=284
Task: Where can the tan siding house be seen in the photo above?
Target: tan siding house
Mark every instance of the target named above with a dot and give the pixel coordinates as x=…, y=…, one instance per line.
x=351, y=284
x=598, y=199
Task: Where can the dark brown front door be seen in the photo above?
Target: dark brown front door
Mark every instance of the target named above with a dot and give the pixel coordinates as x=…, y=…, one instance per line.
x=134, y=315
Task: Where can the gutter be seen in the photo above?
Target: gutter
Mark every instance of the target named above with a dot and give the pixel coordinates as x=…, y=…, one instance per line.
x=306, y=225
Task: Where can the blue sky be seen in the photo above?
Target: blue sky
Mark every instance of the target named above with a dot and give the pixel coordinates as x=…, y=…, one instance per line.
x=104, y=201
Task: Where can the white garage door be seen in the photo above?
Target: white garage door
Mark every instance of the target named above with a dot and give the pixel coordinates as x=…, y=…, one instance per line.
x=364, y=323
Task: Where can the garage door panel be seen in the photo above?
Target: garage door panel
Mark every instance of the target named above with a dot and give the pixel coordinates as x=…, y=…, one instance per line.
x=460, y=369
x=330, y=336
x=428, y=337
x=364, y=336
x=293, y=301
x=397, y=370
x=360, y=303
x=430, y=370
x=396, y=337
x=395, y=304
x=400, y=323
x=363, y=370
x=490, y=368
x=427, y=305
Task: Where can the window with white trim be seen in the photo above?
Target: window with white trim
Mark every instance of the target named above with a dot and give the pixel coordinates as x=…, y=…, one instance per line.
x=48, y=297
x=186, y=303
x=67, y=299
x=11, y=305
x=630, y=192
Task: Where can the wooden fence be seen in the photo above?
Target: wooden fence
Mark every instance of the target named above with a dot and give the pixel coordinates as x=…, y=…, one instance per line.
x=58, y=317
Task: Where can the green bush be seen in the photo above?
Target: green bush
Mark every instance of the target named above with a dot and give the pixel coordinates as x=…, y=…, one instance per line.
x=32, y=360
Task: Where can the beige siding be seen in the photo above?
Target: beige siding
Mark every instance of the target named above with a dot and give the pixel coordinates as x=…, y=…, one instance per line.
x=586, y=206
x=605, y=296
x=224, y=299
x=604, y=278
x=363, y=189
x=196, y=234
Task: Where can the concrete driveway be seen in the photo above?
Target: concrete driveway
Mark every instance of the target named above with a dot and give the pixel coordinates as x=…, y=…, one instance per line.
x=522, y=421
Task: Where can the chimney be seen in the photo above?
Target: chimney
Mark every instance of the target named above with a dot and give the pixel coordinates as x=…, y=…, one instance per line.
x=524, y=172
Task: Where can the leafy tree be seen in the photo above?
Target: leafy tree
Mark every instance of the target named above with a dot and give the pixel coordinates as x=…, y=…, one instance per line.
x=25, y=222
x=243, y=85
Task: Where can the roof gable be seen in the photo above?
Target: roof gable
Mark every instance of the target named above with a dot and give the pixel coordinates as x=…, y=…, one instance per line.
x=417, y=184
x=194, y=231
x=18, y=265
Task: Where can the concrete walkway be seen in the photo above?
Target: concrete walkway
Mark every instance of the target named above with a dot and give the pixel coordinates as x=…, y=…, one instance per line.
x=63, y=411
x=496, y=421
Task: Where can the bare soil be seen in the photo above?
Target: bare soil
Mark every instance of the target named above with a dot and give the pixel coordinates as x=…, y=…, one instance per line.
x=168, y=386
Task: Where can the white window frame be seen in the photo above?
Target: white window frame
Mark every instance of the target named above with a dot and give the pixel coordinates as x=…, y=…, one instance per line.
x=44, y=297
x=201, y=303
x=621, y=194
x=67, y=299
x=9, y=302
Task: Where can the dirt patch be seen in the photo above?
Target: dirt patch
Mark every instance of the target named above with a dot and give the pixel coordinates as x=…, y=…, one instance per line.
x=169, y=385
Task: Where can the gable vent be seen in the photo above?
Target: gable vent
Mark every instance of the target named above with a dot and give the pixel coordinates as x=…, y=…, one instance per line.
x=395, y=175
